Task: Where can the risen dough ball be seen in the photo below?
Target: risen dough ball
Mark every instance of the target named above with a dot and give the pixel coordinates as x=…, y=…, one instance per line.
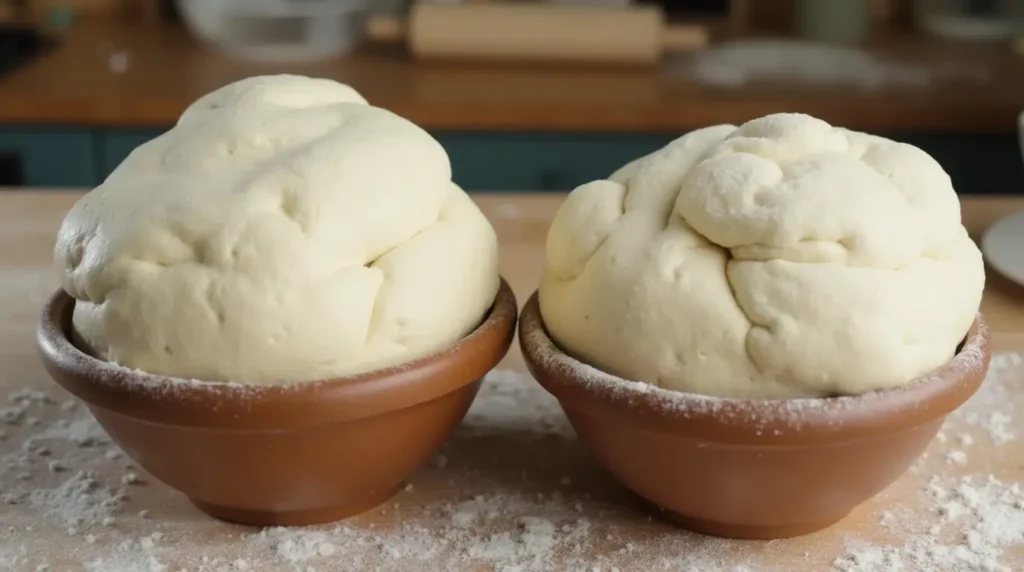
x=283, y=230
x=779, y=259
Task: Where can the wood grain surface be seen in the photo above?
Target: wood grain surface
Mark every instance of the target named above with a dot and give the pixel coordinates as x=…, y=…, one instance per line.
x=505, y=458
x=166, y=70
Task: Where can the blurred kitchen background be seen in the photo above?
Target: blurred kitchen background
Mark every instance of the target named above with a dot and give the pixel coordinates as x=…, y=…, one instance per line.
x=525, y=95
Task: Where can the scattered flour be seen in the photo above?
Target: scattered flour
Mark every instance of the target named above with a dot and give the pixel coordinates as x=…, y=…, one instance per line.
x=735, y=64
x=12, y=557
x=978, y=518
x=956, y=458
x=80, y=496
x=79, y=500
x=501, y=532
x=512, y=400
x=992, y=409
x=299, y=545
x=975, y=519
x=126, y=560
x=65, y=471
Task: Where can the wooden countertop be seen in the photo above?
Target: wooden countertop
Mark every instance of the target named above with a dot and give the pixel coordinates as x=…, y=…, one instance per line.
x=167, y=70
x=511, y=468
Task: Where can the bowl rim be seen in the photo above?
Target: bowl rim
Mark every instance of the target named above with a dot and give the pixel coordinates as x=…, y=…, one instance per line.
x=581, y=388
x=172, y=400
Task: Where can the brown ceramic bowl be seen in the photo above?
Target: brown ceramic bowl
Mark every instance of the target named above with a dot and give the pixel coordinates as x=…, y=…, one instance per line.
x=751, y=468
x=294, y=454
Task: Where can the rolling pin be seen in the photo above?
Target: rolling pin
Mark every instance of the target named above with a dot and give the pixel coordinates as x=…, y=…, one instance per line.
x=538, y=32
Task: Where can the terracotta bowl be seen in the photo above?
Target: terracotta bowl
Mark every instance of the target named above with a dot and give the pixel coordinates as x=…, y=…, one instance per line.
x=758, y=469
x=294, y=454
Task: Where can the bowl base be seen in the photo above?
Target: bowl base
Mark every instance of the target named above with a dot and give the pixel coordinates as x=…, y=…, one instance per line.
x=745, y=531
x=295, y=517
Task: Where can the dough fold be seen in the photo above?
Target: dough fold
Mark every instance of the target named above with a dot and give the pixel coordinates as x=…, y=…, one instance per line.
x=781, y=258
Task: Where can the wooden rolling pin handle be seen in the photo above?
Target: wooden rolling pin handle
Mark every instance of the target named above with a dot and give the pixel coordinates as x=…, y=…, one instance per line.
x=684, y=38
x=663, y=38
x=387, y=29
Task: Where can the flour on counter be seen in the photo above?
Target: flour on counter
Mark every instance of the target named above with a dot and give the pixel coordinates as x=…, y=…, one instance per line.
x=512, y=400
x=81, y=499
x=298, y=544
x=992, y=408
x=11, y=557
x=500, y=532
x=963, y=523
x=976, y=518
x=956, y=458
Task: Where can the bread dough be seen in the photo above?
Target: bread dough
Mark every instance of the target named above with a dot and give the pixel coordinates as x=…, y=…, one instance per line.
x=284, y=230
x=779, y=259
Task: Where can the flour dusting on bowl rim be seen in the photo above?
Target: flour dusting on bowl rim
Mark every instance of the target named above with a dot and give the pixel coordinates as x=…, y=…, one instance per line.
x=120, y=375
x=174, y=400
x=793, y=414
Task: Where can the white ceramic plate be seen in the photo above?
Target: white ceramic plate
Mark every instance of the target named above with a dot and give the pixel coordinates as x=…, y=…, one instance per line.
x=1003, y=242
x=1003, y=246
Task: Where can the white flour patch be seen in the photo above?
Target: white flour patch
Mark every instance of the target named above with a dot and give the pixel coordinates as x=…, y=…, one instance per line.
x=128, y=557
x=956, y=458
x=992, y=409
x=976, y=520
x=508, y=532
x=11, y=557
x=299, y=545
x=52, y=470
x=491, y=532
x=81, y=499
x=736, y=64
x=511, y=400
x=971, y=522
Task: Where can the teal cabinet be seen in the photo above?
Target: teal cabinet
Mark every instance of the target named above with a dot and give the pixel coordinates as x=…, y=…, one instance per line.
x=978, y=163
x=541, y=161
x=52, y=156
x=116, y=145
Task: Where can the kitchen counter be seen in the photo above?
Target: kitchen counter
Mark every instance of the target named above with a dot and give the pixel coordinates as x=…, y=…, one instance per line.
x=165, y=70
x=511, y=490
